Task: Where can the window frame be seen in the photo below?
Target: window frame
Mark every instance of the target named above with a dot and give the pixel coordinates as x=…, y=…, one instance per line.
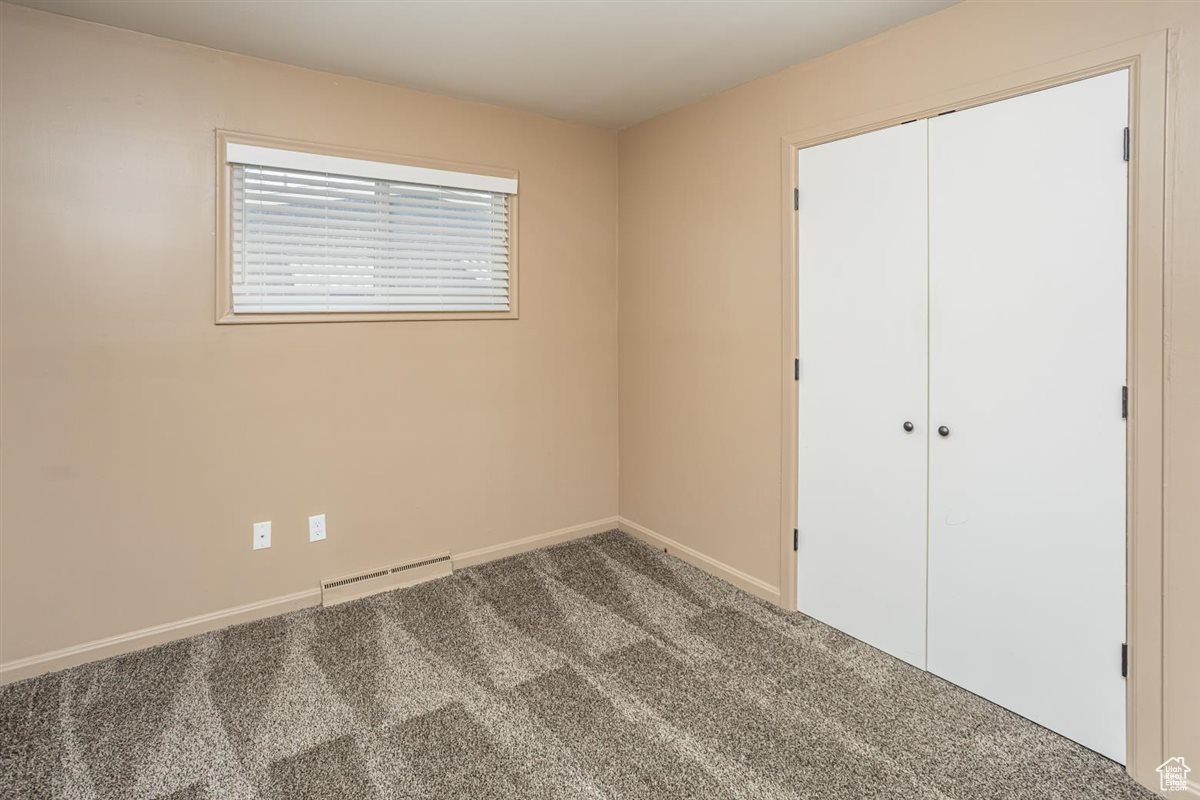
x=224, y=313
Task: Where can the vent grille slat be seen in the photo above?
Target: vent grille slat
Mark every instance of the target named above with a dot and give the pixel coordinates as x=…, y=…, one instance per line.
x=416, y=564
x=387, y=578
x=357, y=578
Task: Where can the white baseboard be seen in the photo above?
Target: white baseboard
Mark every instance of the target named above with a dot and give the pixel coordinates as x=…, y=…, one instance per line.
x=697, y=559
x=32, y=666
x=22, y=668
x=497, y=551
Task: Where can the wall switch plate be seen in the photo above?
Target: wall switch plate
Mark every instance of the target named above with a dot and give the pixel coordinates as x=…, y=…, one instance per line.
x=262, y=535
x=316, y=528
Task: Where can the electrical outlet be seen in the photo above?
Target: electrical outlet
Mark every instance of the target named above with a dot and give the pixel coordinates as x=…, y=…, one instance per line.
x=262, y=535
x=316, y=528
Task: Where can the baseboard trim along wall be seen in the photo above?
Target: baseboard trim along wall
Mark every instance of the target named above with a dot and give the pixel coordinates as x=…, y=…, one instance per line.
x=517, y=546
x=21, y=669
x=697, y=559
x=32, y=666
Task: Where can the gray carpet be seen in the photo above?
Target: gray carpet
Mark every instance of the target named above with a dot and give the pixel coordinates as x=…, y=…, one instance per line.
x=596, y=669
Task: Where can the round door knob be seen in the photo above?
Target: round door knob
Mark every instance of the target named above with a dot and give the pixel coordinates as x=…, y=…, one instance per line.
x=908, y=426
x=943, y=431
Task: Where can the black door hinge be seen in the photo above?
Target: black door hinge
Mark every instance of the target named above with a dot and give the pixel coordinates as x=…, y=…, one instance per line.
x=1124, y=402
x=796, y=370
x=796, y=199
x=1124, y=661
x=1126, y=147
x=795, y=538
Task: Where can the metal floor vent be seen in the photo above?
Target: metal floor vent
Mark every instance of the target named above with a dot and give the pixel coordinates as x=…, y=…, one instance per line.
x=384, y=579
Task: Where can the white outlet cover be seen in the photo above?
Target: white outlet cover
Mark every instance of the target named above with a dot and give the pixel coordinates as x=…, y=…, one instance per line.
x=316, y=528
x=262, y=535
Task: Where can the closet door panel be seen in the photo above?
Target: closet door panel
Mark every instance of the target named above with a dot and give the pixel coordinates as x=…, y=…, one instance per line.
x=1027, y=361
x=863, y=329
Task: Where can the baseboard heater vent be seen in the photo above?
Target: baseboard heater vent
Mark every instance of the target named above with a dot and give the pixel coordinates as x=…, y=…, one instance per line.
x=384, y=579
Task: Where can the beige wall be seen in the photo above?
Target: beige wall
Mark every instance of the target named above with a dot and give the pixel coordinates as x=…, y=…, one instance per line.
x=700, y=254
x=140, y=440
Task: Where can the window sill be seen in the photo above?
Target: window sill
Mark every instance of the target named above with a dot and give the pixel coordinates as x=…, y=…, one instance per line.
x=229, y=318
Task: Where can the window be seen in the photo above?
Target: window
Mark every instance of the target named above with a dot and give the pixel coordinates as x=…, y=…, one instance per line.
x=311, y=236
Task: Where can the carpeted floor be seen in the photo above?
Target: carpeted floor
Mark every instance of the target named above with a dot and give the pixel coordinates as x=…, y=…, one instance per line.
x=596, y=669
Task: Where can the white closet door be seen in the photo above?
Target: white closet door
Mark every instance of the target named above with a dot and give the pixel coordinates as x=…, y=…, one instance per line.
x=1027, y=361
x=863, y=327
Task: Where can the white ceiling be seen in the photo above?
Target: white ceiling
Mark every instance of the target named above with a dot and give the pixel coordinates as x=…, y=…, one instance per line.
x=612, y=63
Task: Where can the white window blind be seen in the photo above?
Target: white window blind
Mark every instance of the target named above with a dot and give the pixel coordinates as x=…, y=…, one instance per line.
x=312, y=241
